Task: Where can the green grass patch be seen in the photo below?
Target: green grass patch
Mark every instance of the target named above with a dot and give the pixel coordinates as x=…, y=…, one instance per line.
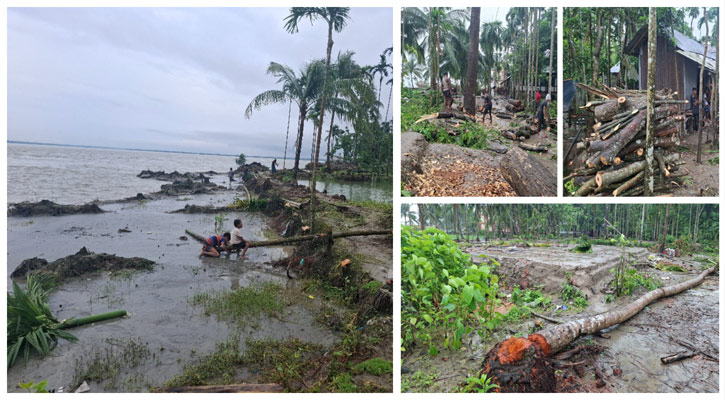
x=218, y=367
x=238, y=306
x=374, y=366
x=107, y=364
x=583, y=246
x=343, y=383
x=281, y=362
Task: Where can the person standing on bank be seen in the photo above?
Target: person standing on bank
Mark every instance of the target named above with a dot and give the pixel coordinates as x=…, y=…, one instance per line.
x=542, y=116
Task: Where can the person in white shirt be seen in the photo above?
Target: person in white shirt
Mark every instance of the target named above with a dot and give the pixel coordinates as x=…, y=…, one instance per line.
x=237, y=241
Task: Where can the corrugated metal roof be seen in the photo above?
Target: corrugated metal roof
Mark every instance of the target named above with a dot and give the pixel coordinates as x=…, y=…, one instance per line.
x=683, y=43
x=687, y=44
x=709, y=63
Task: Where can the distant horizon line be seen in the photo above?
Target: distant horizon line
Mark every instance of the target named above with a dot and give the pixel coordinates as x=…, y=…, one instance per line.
x=134, y=149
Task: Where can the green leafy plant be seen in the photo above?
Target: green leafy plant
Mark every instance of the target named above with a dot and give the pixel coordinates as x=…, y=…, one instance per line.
x=444, y=293
x=571, y=292
x=480, y=384
x=241, y=159
x=33, y=387
x=219, y=221
x=583, y=246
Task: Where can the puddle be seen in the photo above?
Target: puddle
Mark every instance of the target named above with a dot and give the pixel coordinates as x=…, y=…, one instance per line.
x=157, y=301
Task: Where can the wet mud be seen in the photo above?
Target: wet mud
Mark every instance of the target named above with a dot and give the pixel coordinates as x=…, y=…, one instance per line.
x=47, y=207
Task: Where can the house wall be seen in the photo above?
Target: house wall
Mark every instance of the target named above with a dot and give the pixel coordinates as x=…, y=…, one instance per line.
x=665, y=66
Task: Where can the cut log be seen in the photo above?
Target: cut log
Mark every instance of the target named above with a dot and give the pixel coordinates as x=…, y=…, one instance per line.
x=524, y=365
x=514, y=102
x=604, y=178
x=295, y=239
x=629, y=184
x=661, y=164
x=538, y=148
x=607, y=111
x=509, y=135
x=622, y=139
x=445, y=115
x=526, y=175
x=503, y=115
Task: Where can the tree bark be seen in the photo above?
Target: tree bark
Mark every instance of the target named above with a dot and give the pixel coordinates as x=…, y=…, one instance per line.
x=526, y=175
x=700, y=109
x=651, y=66
x=597, y=48
x=524, y=365
x=605, y=178
x=551, y=47
x=664, y=231
x=469, y=92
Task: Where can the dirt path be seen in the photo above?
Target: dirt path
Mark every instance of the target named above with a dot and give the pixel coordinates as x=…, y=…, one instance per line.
x=703, y=179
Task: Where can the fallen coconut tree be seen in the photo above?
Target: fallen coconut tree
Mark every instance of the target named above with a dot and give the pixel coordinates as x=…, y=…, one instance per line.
x=303, y=238
x=617, y=141
x=32, y=326
x=523, y=365
x=526, y=175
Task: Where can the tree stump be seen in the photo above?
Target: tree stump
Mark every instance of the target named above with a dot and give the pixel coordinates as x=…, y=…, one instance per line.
x=519, y=365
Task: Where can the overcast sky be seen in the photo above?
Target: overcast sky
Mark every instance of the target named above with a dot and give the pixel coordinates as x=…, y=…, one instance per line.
x=167, y=79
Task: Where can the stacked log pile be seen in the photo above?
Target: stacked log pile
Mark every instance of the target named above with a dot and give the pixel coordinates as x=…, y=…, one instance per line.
x=611, y=160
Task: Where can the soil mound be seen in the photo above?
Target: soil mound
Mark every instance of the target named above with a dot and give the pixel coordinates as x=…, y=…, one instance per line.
x=81, y=263
x=188, y=187
x=47, y=207
x=194, y=209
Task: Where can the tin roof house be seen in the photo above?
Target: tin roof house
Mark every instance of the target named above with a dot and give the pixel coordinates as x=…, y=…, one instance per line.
x=686, y=52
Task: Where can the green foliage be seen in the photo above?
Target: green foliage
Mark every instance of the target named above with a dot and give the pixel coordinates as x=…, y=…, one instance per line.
x=343, y=383
x=444, y=293
x=480, y=384
x=571, y=292
x=31, y=325
x=219, y=221
x=516, y=314
x=215, y=368
x=417, y=105
x=583, y=246
x=248, y=205
x=241, y=305
x=282, y=362
x=106, y=364
x=714, y=161
x=529, y=298
x=570, y=187
x=632, y=279
x=374, y=366
x=241, y=160
x=33, y=387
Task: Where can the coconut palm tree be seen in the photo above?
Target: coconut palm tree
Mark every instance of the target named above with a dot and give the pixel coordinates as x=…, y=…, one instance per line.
x=304, y=90
x=336, y=18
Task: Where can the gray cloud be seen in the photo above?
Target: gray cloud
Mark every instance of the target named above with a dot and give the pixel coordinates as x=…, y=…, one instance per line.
x=171, y=78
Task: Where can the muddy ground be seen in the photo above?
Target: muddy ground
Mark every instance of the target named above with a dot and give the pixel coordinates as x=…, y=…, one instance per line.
x=626, y=358
x=163, y=330
x=436, y=169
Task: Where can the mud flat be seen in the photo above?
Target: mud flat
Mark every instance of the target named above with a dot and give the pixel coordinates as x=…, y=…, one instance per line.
x=625, y=358
x=169, y=333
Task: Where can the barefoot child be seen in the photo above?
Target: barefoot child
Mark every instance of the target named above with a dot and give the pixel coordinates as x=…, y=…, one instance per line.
x=237, y=241
x=209, y=247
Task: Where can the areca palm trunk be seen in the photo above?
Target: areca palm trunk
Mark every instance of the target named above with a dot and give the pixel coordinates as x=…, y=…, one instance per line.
x=322, y=111
x=551, y=46
x=329, y=138
x=300, y=131
x=469, y=98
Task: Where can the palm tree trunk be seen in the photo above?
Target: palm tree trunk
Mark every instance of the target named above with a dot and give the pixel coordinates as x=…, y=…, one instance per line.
x=322, y=113
x=390, y=97
x=664, y=231
x=300, y=132
x=469, y=95
x=329, y=138
x=551, y=47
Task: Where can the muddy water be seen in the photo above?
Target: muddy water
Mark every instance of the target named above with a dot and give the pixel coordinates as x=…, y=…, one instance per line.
x=157, y=301
x=380, y=191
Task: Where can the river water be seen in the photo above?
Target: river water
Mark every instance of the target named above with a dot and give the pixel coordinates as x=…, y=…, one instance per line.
x=76, y=175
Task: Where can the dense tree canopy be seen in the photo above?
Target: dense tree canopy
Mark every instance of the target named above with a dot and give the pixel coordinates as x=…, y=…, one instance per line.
x=696, y=222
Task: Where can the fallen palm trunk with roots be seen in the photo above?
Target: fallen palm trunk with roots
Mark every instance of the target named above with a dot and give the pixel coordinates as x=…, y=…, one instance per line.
x=522, y=365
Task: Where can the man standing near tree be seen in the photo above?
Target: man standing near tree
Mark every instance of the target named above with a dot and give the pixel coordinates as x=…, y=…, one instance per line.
x=447, y=94
x=695, y=109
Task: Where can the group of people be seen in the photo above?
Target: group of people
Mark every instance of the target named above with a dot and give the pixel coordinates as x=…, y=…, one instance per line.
x=542, y=112
x=229, y=242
